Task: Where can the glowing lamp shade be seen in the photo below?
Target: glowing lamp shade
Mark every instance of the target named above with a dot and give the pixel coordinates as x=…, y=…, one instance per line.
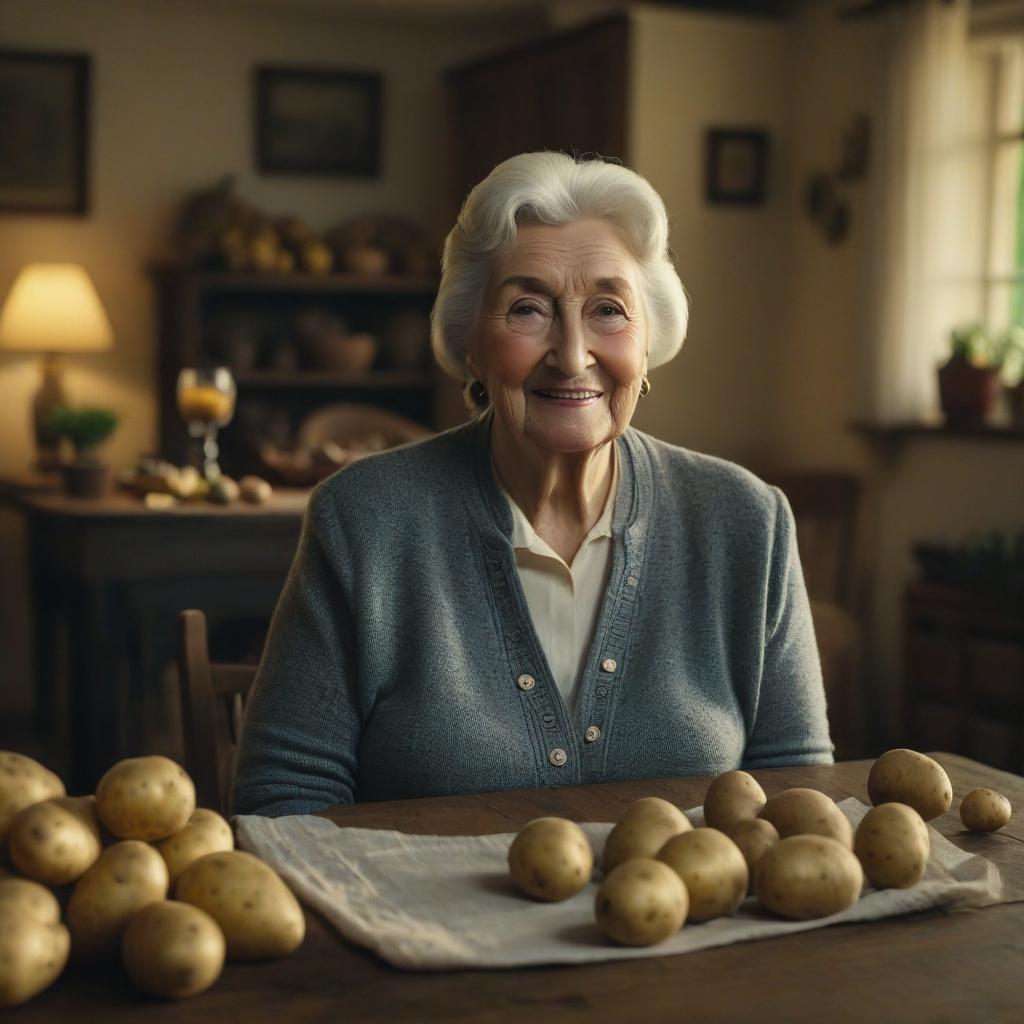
x=53, y=307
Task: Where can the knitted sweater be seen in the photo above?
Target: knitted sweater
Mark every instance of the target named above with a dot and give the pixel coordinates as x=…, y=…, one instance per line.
x=401, y=660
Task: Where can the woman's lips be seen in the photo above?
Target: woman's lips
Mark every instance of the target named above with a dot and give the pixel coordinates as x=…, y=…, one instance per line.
x=570, y=397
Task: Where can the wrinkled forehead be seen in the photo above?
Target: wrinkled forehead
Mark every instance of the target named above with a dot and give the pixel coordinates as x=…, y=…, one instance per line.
x=582, y=252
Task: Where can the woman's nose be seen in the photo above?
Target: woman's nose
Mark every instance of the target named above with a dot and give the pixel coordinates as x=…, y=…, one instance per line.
x=569, y=350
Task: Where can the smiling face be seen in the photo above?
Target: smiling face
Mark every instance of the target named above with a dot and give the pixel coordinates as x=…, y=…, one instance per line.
x=561, y=343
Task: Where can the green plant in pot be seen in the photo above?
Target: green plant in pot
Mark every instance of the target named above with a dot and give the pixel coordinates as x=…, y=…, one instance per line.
x=86, y=429
x=969, y=383
x=1010, y=353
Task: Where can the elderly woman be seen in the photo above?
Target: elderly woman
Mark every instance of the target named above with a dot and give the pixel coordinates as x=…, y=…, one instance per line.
x=544, y=596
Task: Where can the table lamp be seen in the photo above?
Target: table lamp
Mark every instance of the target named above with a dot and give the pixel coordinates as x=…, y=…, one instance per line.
x=53, y=308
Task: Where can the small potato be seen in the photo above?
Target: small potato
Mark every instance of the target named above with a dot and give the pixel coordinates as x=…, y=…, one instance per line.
x=256, y=911
x=712, y=868
x=808, y=876
x=643, y=832
x=127, y=877
x=145, y=798
x=907, y=777
x=21, y=898
x=730, y=798
x=985, y=810
x=57, y=840
x=799, y=811
x=641, y=902
x=754, y=837
x=892, y=845
x=32, y=955
x=655, y=806
x=172, y=950
x=23, y=782
x=206, y=832
x=550, y=859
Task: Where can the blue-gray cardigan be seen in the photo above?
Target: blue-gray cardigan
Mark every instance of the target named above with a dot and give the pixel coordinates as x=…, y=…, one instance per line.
x=401, y=660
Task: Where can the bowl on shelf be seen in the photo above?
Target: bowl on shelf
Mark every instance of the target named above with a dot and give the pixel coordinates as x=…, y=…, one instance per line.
x=343, y=353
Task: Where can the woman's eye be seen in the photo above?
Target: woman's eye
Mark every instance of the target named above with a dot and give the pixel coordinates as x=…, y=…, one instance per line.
x=608, y=309
x=525, y=309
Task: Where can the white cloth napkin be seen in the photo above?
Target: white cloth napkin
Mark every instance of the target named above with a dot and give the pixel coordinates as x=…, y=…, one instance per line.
x=439, y=902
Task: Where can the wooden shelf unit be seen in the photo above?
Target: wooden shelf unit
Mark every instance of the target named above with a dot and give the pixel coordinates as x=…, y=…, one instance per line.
x=249, y=322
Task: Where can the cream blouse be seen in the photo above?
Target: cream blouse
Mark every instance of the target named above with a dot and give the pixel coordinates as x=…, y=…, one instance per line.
x=564, y=600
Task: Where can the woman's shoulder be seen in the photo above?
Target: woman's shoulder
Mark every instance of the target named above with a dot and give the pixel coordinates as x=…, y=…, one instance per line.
x=410, y=475
x=710, y=479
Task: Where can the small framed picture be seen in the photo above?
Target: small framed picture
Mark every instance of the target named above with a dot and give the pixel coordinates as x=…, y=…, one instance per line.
x=44, y=143
x=737, y=166
x=318, y=121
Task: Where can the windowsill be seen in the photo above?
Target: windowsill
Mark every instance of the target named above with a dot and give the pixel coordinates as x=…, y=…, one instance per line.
x=888, y=433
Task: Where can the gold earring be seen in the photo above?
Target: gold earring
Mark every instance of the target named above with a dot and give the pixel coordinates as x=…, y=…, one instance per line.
x=645, y=387
x=476, y=396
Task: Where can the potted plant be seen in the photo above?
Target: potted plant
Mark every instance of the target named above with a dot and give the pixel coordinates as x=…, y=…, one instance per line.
x=969, y=382
x=86, y=475
x=1010, y=356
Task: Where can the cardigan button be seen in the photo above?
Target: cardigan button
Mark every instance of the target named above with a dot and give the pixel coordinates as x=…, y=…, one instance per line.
x=609, y=664
x=592, y=733
x=631, y=581
x=526, y=681
x=558, y=757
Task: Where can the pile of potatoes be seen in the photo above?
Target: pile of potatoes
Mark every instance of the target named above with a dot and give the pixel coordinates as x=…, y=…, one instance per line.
x=115, y=859
x=796, y=851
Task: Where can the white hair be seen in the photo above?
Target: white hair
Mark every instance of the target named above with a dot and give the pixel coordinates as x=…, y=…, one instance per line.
x=553, y=188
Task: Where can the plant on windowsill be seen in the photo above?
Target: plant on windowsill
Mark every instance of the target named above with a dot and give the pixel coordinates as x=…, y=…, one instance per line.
x=86, y=475
x=969, y=383
x=1010, y=348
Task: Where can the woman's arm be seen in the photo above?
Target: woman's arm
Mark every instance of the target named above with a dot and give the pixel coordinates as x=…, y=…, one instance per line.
x=298, y=747
x=790, y=726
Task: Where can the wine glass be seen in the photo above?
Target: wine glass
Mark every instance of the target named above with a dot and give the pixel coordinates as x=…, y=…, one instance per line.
x=206, y=402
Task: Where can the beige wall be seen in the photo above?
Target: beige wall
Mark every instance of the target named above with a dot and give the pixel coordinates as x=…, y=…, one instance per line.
x=694, y=71
x=172, y=113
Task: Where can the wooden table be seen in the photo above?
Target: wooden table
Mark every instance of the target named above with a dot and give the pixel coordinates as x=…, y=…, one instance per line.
x=111, y=575
x=934, y=967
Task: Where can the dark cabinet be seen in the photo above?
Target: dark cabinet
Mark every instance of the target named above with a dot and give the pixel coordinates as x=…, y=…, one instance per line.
x=965, y=673
x=567, y=91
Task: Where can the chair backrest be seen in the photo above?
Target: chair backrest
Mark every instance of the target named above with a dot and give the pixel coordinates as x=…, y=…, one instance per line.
x=212, y=706
x=825, y=509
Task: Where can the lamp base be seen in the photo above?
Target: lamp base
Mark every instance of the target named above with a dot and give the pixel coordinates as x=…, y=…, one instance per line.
x=48, y=398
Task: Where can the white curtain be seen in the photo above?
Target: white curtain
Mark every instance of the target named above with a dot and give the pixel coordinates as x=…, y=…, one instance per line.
x=927, y=212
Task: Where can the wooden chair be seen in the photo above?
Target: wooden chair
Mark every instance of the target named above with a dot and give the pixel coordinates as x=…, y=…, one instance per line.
x=212, y=706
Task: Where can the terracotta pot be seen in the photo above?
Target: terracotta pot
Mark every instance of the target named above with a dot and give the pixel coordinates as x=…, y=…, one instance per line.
x=968, y=394
x=86, y=479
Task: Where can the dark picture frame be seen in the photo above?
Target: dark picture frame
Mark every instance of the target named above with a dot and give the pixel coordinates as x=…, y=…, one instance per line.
x=737, y=166
x=44, y=132
x=318, y=121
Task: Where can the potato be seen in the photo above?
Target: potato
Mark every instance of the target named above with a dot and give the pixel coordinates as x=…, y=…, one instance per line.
x=985, y=810
x=33, y=952
x=712, y=868
x=127, y=877
x=907, y=777
x=145, y=798
x=23, y=898
x=23, y=782
x=644, y=830
x=256, y=911
x=754, y=837
x=641, y=902
x=550, y=859
x=206, y=832
x=730, y=798
x=801, y=811
x=808, y=876
x=892, y=845
x=648, y=806
x=57, y=840
x=172, y=950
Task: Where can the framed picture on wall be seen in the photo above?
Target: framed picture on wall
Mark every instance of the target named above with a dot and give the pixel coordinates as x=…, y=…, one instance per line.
x=318, y=121
x=44, y=126
x=737, y=166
